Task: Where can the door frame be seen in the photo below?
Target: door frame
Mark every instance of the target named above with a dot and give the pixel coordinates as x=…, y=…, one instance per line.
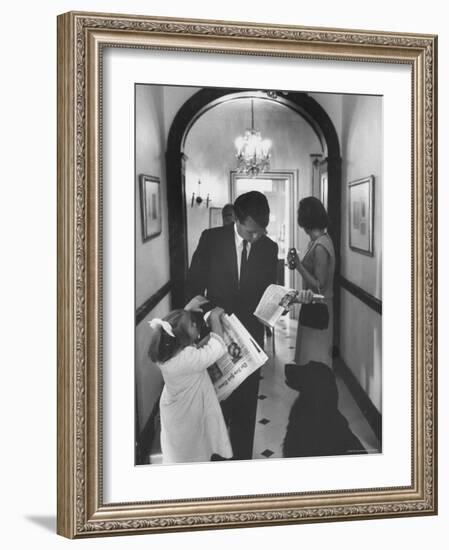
x=292, y=178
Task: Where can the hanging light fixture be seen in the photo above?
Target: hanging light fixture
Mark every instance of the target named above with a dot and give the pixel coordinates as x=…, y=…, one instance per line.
x=253, y=152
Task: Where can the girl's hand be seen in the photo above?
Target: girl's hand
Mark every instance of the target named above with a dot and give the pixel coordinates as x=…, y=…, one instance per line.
x=216, y=313
x=215, y=320
x=196, y=303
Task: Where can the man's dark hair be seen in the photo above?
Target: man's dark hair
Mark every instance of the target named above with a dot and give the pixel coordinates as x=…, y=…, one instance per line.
x=255, y=205
x=228, y=214
x=227, y=209
x=312, y=214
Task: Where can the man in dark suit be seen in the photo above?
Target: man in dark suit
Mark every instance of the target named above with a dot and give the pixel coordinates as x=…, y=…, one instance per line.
x=232, y=266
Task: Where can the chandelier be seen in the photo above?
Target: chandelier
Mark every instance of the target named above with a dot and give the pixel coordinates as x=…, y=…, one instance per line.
x=253, y=152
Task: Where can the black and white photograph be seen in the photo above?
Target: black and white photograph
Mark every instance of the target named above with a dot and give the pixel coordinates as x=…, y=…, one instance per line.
x=258, y=281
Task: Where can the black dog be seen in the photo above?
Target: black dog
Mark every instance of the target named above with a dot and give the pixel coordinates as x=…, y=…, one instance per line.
x=315, y=425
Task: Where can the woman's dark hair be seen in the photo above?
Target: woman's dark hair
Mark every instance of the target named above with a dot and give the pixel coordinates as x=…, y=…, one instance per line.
x=163, y=346
x=252, y=204
x=312, y=214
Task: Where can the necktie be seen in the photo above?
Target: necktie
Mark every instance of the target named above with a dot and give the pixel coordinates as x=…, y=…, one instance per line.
x=244, y=261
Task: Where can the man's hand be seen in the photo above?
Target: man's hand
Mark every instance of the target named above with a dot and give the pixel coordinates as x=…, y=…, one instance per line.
x=306, y=297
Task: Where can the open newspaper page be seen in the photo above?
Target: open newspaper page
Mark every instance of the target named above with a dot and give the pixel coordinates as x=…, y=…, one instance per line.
x=274, y=303
x=243, y=358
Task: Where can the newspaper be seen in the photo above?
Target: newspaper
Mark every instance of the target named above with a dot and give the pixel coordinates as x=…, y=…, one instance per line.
x=274, y=303
x=243, y=358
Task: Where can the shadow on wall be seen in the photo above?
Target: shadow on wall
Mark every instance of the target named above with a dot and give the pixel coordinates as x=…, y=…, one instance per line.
x=46, y=522
x=368, y=376
x=148, y=382
x=361, y=345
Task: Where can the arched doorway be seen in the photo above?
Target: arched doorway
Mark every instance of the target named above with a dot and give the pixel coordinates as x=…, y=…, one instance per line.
x=192, y=109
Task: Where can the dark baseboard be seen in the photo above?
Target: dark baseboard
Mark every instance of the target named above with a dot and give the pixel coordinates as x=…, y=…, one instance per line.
x=144, y=440
x=370, y=412
x=152, y=302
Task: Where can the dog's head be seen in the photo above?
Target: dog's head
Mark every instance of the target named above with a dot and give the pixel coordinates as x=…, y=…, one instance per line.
x=313, y=379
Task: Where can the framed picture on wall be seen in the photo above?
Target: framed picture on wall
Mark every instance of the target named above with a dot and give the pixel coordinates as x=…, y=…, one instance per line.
x=361, y=215
x=195, y=74
x=150, y=203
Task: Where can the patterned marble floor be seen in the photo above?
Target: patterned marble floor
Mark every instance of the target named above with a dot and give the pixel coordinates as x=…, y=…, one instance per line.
x=276, y=399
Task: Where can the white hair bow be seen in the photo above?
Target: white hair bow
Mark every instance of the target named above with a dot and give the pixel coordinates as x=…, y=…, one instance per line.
x=165, y=325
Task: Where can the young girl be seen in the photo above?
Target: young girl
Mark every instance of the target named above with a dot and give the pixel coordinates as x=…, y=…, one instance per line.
x=192, y=424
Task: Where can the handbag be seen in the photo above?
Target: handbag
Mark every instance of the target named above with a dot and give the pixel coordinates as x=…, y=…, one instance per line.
x=314, y=315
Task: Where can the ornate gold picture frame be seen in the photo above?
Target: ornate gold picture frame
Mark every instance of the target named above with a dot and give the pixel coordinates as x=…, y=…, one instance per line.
x=82, y=509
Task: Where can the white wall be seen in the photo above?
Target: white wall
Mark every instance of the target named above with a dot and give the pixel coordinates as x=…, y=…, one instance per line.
x=361, y=327
x=150, y=160
x=152, y=258
x=28, y=295
x=156, y=106
x=175, y=97
x=362, y=147
x=358, y=123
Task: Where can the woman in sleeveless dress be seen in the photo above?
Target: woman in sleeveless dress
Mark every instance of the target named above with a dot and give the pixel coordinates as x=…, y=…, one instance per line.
x=317, y=269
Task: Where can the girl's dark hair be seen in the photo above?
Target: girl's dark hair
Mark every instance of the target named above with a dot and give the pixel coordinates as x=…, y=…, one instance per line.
x=255, y=205
x=163, y=346
x=312, y=214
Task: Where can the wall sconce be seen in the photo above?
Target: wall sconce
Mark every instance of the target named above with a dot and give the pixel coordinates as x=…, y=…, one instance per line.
x=199, y=199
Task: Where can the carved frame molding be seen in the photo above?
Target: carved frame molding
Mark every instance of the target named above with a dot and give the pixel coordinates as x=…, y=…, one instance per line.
x=81, y=37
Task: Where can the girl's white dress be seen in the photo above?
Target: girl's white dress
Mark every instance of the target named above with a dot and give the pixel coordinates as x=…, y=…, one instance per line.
x=192, y=423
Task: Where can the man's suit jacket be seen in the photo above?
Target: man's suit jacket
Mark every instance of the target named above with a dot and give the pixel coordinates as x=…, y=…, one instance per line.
x=213, y=272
